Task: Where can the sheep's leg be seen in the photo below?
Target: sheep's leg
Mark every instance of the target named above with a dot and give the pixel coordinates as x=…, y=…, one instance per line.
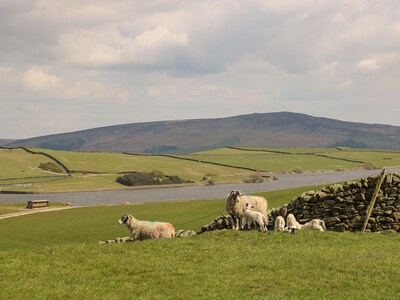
x=238, y=223
x=244, y=221
x=261, y=226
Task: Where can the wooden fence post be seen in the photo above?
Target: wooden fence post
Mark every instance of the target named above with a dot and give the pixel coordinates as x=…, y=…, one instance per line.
x=372, y=203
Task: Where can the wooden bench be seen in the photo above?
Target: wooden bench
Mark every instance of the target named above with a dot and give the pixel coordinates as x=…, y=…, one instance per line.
x=38, y=203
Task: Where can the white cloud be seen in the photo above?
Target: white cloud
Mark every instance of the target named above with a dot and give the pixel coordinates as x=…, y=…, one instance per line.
x=346, y=85
x=368, y=64
x=151, y=46
x=111, y=48
x=193, y=59
x=153, y=91
x=86, y=89
x=5, y=70
x=39, y=78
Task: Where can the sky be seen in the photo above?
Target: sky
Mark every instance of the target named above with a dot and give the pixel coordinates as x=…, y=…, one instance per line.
x=68, y=65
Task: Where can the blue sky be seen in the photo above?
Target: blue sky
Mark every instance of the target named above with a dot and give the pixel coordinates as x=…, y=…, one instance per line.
x=72, y=65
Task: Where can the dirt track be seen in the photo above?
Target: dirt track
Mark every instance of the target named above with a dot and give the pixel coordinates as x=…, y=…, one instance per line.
x=33, y=211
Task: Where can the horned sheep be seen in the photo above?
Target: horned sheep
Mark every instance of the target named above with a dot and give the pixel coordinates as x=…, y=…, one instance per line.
x=250, y=216
x=144, y=230
x=235, y=206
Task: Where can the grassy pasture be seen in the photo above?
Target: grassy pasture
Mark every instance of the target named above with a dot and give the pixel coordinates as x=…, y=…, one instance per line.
x=376, y=158
x=16, y=207
x=19, y=164
x=91, y=224
x=117, y=162
x=277, y=162
x=263, y=150
x=58, y=254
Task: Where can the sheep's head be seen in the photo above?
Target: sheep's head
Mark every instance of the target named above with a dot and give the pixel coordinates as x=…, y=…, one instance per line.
x=292, y=230
x=249, y=206
x=124, y=219
x=235, y=195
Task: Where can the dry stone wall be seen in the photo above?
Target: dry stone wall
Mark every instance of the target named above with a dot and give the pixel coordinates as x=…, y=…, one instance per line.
x=343, y=207
x=219, y=223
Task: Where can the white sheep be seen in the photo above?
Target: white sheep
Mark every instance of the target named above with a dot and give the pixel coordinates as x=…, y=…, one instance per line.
x=144, y=230
x=291, y=223
x=235, y=206
x=279, y=224
x=315, y=224
x=250, y=216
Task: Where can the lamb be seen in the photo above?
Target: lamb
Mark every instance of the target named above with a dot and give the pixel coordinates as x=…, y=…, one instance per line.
x=291, y=223
x=235, y=206
x=279, y=224
x=250, y=216
x=315, y=224
x=144, y=230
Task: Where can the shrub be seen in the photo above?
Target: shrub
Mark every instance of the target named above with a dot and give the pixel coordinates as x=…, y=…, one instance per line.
x=298, y=170
x=142, y=178
x=157, y=173
x=254, y=178
x=50, y=166
x=368, y=166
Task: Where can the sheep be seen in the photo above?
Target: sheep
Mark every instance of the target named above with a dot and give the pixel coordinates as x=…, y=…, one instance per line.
x=291, y=223
x=144, y=230
x=250, y=216
x=235, y=206
x=315, y=224
x=279, y=224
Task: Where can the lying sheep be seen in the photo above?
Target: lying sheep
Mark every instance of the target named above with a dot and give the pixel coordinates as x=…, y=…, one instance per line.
x=293, y=225
x=250, y=216
x=315, y=224
x=144, y=230
x=235, y=206
x=279, y=224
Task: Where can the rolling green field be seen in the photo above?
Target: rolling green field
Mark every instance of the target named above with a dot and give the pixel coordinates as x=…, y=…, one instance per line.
x=98, y=170
x=58, y=254
x=17, y=163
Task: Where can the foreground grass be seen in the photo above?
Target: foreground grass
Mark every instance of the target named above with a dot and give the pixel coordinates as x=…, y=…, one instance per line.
x=57, y=255
x=228, y=264
x=92, y=224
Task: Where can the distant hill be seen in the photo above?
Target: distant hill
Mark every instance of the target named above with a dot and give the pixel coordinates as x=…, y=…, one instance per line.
x=5, y=142
x=282, y=129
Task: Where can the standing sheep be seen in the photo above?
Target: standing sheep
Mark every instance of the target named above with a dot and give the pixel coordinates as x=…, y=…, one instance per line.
x=279, y=224
x=235, y=206
x=250, y=216
x=144, y=230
